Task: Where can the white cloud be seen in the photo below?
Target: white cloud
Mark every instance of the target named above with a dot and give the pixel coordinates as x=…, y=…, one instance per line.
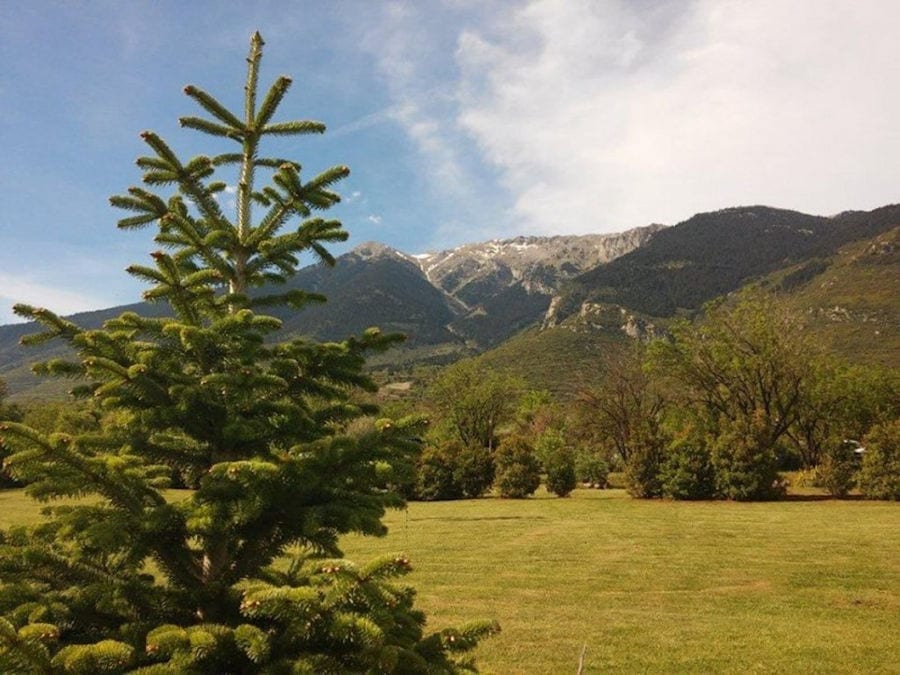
x=606, y=115
x=374, y=219
x=408, y=46
x=62, y=301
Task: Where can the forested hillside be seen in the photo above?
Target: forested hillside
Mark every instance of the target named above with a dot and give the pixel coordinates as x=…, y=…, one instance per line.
x=710, y=254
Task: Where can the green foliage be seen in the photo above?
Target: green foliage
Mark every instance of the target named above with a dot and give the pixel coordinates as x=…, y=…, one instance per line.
x=687, y=471
x=642, y=470
x=474, y=470
x=841, y=401
x=436, y=480
x=8, y=411
x=558, y=462
x=591, y=468
x=879, y=475
x=560, y=472
x=474, y=402
x=518, y=468
x=128, y=579
x=745, y=460
x=837, y=471
x=451, y=470
x=627, y=408
x=741, y=376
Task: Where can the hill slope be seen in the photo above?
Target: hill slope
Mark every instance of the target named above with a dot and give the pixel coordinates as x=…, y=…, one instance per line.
x=851, y=300
x=711, y=254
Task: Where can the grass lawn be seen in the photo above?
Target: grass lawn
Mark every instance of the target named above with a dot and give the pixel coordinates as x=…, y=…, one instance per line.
x=651, y=586
x=655, y=586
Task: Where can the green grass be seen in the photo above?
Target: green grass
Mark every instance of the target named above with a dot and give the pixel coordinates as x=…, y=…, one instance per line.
x=804, y=586
x=651, y=586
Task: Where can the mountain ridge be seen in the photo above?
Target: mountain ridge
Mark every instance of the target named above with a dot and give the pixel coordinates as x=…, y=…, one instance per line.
x=477, y=296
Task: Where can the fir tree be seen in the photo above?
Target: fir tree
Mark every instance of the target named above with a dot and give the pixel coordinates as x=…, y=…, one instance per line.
x=231, y=578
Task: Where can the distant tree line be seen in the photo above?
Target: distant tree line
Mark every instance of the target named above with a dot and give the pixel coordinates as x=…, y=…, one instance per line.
x=723, y=408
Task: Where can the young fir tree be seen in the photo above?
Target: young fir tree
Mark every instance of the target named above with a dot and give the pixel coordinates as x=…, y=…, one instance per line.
x=232, y=578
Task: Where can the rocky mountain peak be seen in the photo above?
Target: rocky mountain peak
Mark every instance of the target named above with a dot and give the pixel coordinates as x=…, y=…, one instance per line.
x=539, y=264
x=374, y=249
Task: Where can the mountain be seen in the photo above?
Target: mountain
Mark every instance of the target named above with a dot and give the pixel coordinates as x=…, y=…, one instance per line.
x=850, y=300
x=585, y=291
x=710, y=254
x=373, y=285
x=504, y=286
x=448, y=303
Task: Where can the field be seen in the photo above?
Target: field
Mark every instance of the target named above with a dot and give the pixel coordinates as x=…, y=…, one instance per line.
x=799, y=586
x=804, y=585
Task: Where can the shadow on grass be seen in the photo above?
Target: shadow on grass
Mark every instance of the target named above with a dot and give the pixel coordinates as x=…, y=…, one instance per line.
x=458, y=519
x=820, y=498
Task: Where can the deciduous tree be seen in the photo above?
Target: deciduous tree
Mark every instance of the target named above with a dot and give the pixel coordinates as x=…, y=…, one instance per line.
x=475, y=402
x=741, y=372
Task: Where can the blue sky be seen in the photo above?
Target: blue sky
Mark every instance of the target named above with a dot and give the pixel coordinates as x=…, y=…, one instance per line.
x=461, y=120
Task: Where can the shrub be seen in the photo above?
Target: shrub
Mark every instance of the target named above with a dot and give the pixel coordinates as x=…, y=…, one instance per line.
x=806, y=478
x=451, y=470
x=591, y=469
x=560, y=469
x=518, y=469
x=559, y=464
x=641, y=473
x=836, y=472
x=474, y=470
x=687, y=472
x=745, y=461
x=436, y=476
x=879, y=475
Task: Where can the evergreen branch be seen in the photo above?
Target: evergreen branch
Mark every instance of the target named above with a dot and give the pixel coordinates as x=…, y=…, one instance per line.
x=147, y=274
x=56, y=448
x=270, y=224
x=211, y=128
x=56, y=325
x=289, y=180
x=104, y=656
x=329, y=177
x=161, y=148
x=213, y=107
x=140, y=200
x=59, y=368
x=253, y=58
x=274, y=163
x=200, y=166
x=295, y=128
x=260, y=198
x=151, y=163
x=270, y=103
x=166, y=177
x=227, y=158
x=323, y=254
x=136, y=222
x=23, y=651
